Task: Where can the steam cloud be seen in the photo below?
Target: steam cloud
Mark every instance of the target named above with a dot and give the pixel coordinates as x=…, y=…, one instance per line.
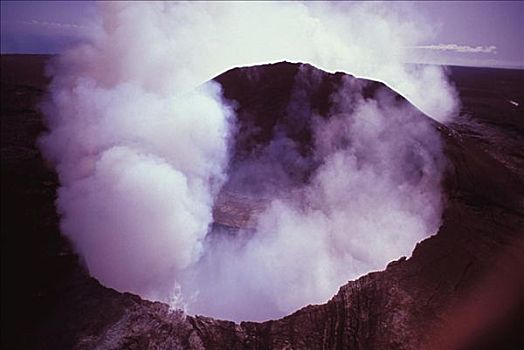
x=142, y=148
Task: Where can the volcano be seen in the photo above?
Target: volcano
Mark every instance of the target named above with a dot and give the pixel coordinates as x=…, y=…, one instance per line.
x=462, y=288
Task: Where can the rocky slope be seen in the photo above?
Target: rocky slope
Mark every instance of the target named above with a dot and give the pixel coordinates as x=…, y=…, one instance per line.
x=462, y=288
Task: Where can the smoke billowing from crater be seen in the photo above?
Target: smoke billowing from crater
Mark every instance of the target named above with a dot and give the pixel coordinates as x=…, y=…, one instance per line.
x=371, y=191
x=143, y=148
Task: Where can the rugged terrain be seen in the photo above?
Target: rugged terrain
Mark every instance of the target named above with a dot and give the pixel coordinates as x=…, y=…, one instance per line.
x=463, y=288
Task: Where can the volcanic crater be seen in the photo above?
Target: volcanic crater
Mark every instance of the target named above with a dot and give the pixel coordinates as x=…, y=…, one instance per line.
x=448, y=294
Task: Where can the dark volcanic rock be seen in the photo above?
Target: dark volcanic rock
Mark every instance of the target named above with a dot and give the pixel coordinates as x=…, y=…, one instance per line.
x=462, y=288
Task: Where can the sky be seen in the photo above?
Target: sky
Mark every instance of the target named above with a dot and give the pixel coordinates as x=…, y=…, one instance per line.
x=483, y=33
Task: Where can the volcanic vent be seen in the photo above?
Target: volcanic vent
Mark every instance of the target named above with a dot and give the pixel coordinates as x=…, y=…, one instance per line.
x=262, y=191
x=330, y=177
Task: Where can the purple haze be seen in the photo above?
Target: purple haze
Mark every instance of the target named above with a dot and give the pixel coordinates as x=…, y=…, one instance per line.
x=49, y=27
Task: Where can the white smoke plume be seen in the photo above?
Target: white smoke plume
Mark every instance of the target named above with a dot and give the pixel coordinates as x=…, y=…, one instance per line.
x=142, y=149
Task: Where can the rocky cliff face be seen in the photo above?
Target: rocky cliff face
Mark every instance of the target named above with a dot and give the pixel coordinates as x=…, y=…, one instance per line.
x=463, y=288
